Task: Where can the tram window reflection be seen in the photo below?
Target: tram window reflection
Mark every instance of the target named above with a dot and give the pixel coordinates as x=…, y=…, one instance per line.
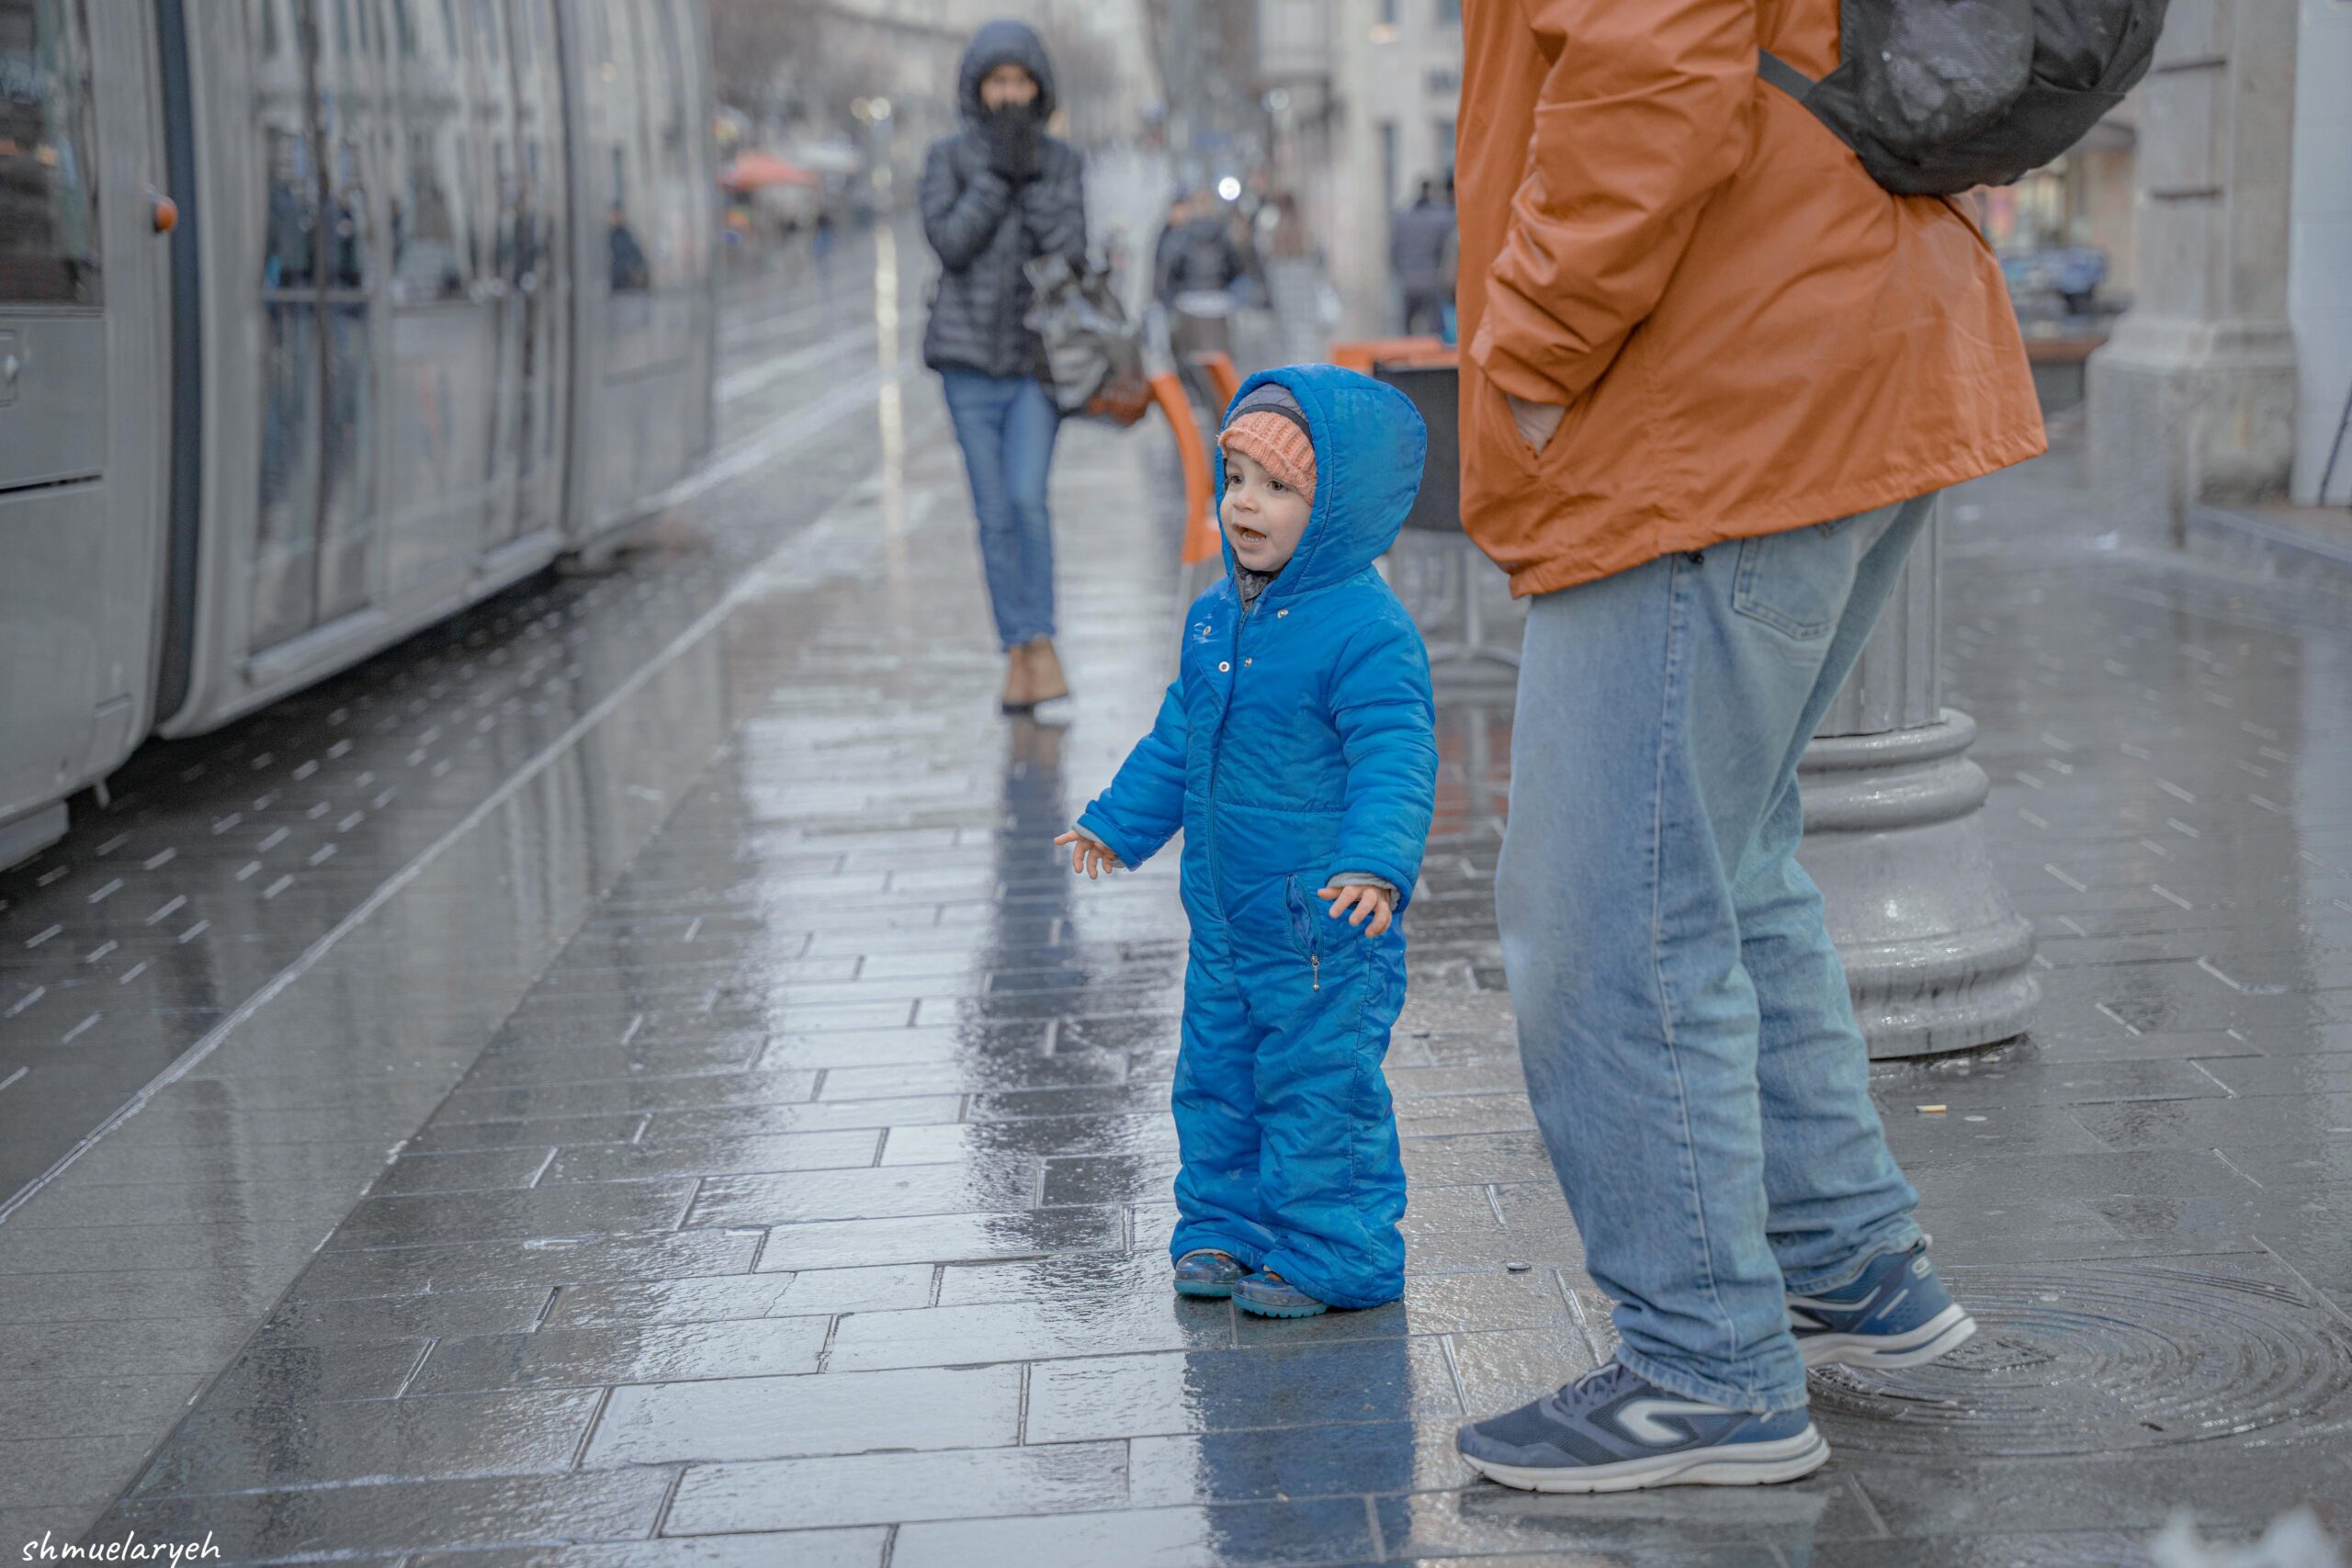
x=630, y=271
x=291, y=217
x=49, y=213
x=285, y=524
x=344, y=514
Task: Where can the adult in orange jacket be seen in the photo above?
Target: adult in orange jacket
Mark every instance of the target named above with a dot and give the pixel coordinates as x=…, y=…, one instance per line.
x=1715, y=376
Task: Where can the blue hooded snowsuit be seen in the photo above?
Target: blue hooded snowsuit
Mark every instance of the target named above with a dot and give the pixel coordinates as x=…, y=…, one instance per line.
x=1296, y=745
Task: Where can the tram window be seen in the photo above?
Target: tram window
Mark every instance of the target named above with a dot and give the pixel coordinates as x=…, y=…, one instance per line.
x=345, y=519
x=283, y=575
x=432, y=242
x=49, y=207
x=350, y=110
x=291, y=221
x=665, y=115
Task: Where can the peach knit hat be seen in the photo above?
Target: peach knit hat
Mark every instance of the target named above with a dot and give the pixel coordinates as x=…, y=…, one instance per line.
x=1268, y=429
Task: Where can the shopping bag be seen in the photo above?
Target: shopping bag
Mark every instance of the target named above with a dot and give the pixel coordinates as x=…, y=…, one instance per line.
x=1093, y=354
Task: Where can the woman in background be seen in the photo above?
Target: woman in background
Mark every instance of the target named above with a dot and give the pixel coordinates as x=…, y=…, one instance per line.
x=997, y=194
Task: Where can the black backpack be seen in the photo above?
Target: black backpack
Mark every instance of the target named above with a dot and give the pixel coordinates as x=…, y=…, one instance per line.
x=1936, y=96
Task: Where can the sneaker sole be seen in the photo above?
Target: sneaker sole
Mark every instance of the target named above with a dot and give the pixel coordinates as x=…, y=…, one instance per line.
x=1755, y=1464
x=1203, y=1289
x=1939, y=1335
x=1311, y=1309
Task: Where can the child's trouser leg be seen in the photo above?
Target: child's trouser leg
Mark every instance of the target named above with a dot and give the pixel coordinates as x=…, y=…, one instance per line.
x=1216, y=1115
x=1330, y=1178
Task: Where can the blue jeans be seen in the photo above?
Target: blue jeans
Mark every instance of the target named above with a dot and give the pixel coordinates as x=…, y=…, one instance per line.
x=1006, y=425
x=1691, y=1050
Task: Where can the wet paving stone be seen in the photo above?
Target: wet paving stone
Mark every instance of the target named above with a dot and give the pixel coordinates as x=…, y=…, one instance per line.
x=599, y=1357
x=800, y=1549
x=1026, y=1482
x=550, y=1260
x=752, y=1120
x=939, y=1238
x=462, y=1137
x=269, y=1372
x=1146, y=1395
x=421, y=1316
x=59, y=1471
x=1487, y=1518
x=264, y=1526
x=610, y=1208
x=475, y=1171
x=757, y=1418
x=1328, y=1531
x=271, y=1445
x=1027, y=1331
x=910, y=1191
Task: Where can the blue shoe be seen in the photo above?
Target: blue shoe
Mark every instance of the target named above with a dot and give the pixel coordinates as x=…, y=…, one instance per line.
x=1271, y=1295
x=1896, y=1314
x=1612, y=1430
x=1206, y=1273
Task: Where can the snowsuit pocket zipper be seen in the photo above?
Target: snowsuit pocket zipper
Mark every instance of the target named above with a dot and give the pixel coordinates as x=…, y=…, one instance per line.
x=1302, y=926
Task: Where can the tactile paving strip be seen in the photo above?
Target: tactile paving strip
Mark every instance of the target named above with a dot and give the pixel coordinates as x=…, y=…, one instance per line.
x=2098, y=1357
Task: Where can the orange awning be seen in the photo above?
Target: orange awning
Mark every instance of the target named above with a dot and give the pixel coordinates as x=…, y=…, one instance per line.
x=754, y=170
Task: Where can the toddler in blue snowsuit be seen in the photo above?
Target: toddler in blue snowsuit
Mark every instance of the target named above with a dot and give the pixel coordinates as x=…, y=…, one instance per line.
x=1295, y=749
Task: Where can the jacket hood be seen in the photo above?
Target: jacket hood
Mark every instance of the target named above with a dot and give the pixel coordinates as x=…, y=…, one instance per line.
x=1369, y=446
x=1001, y=42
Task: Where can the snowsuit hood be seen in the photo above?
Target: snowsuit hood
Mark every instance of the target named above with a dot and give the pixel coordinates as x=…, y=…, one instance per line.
x=1004, y=42
x=1370, y=445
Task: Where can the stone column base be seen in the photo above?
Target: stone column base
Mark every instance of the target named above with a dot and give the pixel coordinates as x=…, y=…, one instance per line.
x=2182, y=412
x=1936, y=958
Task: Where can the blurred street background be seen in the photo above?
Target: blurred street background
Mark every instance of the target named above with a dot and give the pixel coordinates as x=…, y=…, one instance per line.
x=576, y=1047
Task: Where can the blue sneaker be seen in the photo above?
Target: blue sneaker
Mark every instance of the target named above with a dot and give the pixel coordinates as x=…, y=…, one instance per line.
x=1612, y=1430
x=1271, y=1295
x=1896, y=1314
x=1206, y=1272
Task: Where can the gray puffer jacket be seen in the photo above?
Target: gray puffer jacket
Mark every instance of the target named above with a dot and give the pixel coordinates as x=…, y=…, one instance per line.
x=985, y=226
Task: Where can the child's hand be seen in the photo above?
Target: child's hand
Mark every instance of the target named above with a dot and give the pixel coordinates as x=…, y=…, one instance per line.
x=1086, y=855
x=1377, y=902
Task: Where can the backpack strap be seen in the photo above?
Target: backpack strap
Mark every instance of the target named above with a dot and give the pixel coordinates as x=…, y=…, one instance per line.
x=1783, y=75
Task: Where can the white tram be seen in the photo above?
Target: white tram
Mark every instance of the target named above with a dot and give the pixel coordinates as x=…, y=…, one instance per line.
x=320, y=319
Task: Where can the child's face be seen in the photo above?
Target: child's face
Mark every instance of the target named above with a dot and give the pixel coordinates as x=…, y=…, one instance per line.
x=1262, y=517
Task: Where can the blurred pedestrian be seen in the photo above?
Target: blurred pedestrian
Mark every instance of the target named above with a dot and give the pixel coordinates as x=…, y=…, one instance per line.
x=1196, y=267
x=1296, y=745
x=820, y=250
x=1418, y=239
x=1715, y=376
x=997, y=194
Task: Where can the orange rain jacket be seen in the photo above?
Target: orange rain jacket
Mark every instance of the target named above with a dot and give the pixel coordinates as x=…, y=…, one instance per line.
x=1749, y=334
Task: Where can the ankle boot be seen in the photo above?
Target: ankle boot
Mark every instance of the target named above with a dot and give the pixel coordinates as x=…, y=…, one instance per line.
x=1019, y=682
x=1046, y=681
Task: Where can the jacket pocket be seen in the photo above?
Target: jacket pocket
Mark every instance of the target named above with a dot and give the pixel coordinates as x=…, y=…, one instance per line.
x=1302, y=917
x=1795, y=583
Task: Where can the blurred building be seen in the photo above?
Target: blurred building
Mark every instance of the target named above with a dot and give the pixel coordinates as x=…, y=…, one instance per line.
x=2226, y=385
x=880, y=75
x=1362, y=96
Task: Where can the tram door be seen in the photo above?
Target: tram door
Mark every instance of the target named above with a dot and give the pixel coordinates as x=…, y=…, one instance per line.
x=82, y=381
x=518, y=114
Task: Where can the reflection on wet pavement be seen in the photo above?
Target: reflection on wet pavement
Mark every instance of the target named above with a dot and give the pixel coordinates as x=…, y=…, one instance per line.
x=748, y=1145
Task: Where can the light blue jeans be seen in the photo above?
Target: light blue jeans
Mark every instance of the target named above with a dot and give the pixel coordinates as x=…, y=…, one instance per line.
x=1691, y=1050
x=1006, y=425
